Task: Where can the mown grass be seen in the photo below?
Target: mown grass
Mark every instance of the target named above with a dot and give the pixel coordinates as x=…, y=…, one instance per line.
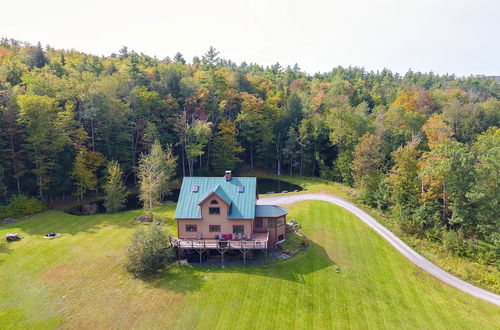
x=78, y=281
x=479, y=274
x=294, y=242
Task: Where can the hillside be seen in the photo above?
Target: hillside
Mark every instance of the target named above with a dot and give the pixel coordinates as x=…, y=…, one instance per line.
x=79, y=280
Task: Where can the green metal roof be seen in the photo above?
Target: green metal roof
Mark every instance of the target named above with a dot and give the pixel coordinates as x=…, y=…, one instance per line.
x=242, y=204
x=220, y=192
x=263, y=211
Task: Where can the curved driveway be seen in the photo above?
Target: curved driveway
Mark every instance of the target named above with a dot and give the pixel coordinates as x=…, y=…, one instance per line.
x=408, y=252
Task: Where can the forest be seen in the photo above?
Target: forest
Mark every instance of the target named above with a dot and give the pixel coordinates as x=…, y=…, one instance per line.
x=423, y=147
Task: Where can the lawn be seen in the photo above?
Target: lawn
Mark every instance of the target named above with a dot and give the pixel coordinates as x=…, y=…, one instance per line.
x=78, y=281
x=479, y=274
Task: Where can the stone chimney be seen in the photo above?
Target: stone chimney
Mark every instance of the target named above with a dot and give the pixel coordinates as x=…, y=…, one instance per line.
x=228, y=175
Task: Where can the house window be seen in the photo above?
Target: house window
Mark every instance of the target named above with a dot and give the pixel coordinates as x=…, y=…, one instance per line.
x=214, y=210
x=238, y=229
x=271, y=222
x=258, y=223
x=214, y=202
x=191, y=228
x=214, y=228
x=281, y=237
x=281, y=221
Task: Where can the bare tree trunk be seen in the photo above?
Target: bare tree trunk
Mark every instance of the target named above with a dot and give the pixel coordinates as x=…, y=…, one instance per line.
x=278, y=155
x=301, y=161
x=183, y=161
x=14, y=161
x=39, y=180
x=134, y=153
x=93, y=135
x=208, y=150
x=251, y=156
x=151, y=205
x=444, y=202
x=314, y=160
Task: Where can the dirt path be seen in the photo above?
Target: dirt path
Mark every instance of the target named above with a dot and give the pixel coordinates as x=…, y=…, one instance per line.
x=408, y=252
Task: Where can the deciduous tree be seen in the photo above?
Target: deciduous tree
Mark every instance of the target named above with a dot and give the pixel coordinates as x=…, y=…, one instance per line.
x=114, y=189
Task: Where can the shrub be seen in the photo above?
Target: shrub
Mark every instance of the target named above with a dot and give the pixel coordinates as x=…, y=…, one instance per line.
x=149, y=251
x=20, y=205
x=451, y=241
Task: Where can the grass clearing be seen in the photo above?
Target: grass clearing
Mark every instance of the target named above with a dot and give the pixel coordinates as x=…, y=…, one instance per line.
x=481, y=275
x=78, y=281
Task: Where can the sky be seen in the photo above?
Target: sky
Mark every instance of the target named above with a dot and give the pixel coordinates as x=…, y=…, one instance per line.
x=443, y=36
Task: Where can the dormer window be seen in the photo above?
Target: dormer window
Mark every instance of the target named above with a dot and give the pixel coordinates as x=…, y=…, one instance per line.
x=214, y=202
x=213, y=210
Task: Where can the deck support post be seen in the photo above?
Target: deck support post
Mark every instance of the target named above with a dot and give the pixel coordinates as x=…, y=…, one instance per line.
x=244, y=251
x=200, y=252
x=222, y=251
x=179, y=253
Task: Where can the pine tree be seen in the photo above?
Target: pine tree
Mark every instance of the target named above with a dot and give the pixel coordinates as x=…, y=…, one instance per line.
x=178, y=58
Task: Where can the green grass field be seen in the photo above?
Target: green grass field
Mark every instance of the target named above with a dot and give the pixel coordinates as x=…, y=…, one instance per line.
x=78, y=281
x=472, y=271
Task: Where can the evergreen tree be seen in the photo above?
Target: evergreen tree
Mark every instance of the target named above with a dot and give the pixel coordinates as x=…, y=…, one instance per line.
x=178, y=58
x=37, y=56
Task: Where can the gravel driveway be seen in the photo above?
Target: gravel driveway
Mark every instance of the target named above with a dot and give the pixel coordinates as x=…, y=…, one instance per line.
x=405, y=250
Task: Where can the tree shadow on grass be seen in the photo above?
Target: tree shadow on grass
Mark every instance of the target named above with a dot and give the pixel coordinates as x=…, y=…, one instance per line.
x=4, y=249
x=53, y=221
x=178, y=279
x=313, y=259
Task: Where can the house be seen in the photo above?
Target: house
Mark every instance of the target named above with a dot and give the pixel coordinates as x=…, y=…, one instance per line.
x=220, y=213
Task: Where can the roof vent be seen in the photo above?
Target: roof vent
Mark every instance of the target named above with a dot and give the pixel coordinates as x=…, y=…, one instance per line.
x=241, y=189
x=195, y=188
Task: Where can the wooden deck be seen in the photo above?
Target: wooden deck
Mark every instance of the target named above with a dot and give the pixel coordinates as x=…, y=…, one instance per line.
x=258, y=242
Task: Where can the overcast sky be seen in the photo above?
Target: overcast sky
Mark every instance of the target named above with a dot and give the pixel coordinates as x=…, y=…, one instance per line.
x=444, y=36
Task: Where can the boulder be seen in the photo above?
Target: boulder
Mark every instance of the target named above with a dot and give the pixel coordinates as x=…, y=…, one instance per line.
x=89, y=209
x=7, y=221
x=144, y=218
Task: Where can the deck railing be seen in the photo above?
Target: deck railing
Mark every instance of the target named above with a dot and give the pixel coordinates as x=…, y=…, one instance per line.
x=219, y=244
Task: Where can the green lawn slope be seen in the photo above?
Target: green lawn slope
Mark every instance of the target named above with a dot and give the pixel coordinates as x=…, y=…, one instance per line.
x=78, y=281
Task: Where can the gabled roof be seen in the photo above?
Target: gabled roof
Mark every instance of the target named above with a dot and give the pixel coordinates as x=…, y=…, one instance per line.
x=263, y=211
x=242, y=204
x=219, y=192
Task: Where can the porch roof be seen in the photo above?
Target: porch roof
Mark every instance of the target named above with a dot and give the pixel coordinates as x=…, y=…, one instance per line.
x=264, y=211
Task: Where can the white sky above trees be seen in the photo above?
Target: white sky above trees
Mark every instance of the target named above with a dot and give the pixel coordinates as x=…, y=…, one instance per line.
x=443, y=36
